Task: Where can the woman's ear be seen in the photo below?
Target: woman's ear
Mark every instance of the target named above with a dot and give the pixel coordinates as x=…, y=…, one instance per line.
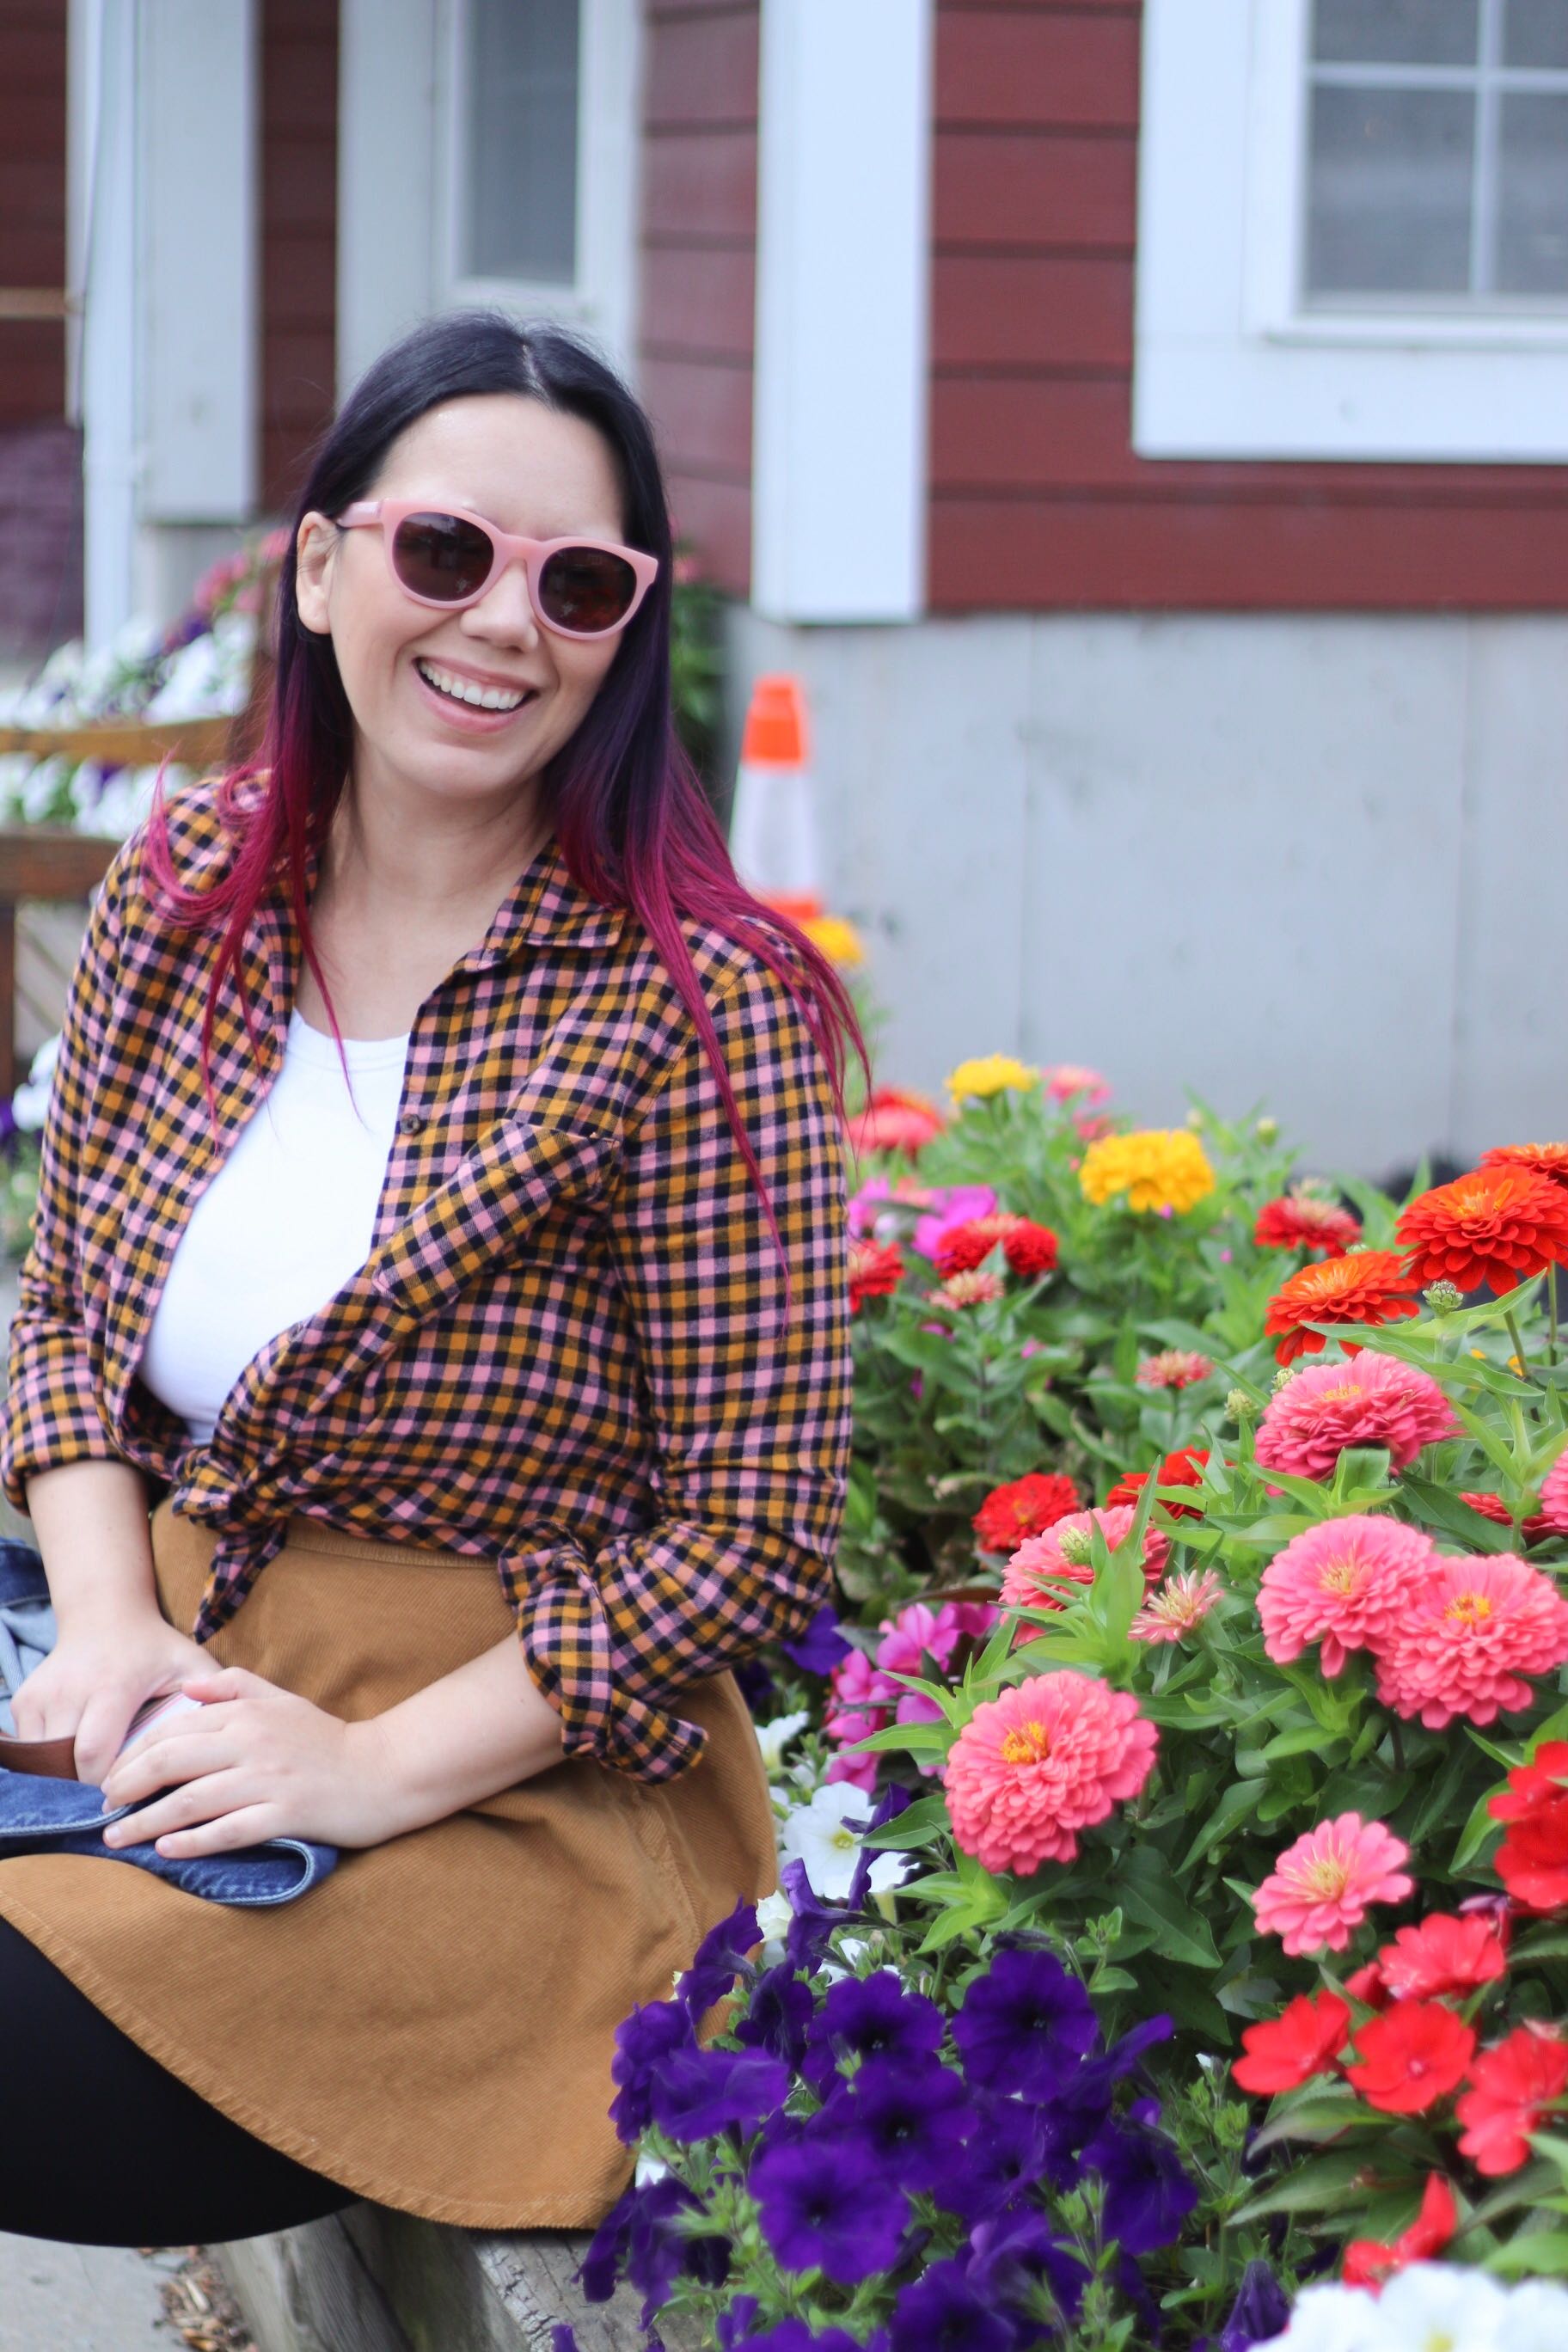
x=315, y=551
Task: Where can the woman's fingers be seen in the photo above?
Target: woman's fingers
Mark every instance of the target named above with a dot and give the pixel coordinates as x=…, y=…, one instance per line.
x=200, y=1799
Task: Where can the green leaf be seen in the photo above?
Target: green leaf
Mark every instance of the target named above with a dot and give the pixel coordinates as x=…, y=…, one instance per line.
x=1145, y=1888
x=1439, y=1508
x=1533, y=2254
x=1233, y=1806
x=1321, y=2185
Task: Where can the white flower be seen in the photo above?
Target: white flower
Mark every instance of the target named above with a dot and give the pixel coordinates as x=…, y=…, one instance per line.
x=1442, y=2307
x=1329, y=2319
x=774, y=1912
x=650, y=2169
x=1536, y=2319
x=774, y=1737
x=825, y=1836
x=30, y=1103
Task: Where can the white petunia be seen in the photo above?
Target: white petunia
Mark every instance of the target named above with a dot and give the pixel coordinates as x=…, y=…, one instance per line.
x=1442, y=2307
x=774, y=1737
x=30, y=1103
x=1536, y=2319
x=1329, y=2319
x=774, y=1912
x=825, y=1836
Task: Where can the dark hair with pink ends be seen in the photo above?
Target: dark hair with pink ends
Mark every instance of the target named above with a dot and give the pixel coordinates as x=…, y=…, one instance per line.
x=633, y=824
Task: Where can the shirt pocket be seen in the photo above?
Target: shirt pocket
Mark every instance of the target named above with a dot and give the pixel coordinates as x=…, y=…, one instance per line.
x=532, y=1176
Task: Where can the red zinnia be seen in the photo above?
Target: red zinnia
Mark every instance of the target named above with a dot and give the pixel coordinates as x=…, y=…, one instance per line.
x=1542, y=1159
x=1373, y=1287
x=1532, y=1860
x=1493, y=1507
x=1369, y=2263
x=1289, y=2049
x=1444, y=1954
x=1513, y=2085
x=894, y=1120
x=1498, y=1226
x=1184, y=1469
x=1029, y=1249
x=1411, y=2056
x=875, y=1268
x=1300, y=1221
x=1026, y=1506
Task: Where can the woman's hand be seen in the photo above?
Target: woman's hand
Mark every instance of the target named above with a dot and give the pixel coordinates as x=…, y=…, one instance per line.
x=257, y=1762
x=92, y=1682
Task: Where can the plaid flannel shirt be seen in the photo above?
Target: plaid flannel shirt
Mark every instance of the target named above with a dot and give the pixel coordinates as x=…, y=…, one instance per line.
x=566, y=1351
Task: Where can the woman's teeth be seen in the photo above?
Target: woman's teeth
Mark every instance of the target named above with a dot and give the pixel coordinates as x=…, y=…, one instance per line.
x=462, y=690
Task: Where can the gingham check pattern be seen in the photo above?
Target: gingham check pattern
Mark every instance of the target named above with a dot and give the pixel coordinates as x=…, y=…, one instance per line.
x=566, y=1351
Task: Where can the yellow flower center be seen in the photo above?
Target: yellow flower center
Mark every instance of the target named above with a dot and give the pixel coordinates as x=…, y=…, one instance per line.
x=1469, y=1609
x=1327, y=1877
x=1338, y=1575
x=1025, y=1743
x=1342, y=1396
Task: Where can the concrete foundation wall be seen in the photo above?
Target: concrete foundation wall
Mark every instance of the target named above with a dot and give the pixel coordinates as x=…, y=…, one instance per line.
x=1317, y=863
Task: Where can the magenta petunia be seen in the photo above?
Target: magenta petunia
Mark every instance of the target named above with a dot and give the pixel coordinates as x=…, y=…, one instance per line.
x=1370, y=1400
x=1347, y=1583
x=1321, y=1888
x=1041, y=1761
x=1478, y=1628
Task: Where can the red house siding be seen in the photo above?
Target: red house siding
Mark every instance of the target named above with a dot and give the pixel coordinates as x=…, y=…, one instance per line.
x=1037, y=500
x=298, y=136
x=698, y=269
x=40, y=453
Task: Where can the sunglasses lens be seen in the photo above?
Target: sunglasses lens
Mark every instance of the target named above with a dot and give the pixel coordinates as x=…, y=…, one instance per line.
x=440, y=556
x=587, y=588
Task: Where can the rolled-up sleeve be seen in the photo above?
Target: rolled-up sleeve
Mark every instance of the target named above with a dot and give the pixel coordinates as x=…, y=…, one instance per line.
x=750, y=1412
x=50, y=1413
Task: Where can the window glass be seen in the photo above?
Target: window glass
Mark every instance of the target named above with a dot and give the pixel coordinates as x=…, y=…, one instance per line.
x=522, y=131
x=1389, y=201
x=1396, y=32
x=1533, y=194
x=1535, y=32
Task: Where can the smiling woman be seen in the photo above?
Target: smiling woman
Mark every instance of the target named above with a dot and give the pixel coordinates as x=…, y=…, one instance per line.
x=490, y=1409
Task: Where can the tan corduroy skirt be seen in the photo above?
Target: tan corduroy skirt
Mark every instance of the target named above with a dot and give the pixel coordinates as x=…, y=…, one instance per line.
x=433, y=2024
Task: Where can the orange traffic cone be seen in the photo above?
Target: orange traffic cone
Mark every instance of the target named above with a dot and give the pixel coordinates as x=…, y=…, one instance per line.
x=773, y=841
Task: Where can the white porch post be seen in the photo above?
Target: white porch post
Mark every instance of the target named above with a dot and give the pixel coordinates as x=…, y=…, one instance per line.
x=838, y=464
x=386, y=175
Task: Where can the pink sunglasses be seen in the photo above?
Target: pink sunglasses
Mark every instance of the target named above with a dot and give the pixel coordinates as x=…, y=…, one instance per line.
x=446, y=557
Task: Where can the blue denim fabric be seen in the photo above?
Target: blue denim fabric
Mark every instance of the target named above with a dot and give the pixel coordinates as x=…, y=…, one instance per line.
x=39, y=1815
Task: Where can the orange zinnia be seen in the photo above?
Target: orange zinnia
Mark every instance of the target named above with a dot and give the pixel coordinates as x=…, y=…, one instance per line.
x=1496, y=1225
x=1544, y=1159
x=1371, y=1287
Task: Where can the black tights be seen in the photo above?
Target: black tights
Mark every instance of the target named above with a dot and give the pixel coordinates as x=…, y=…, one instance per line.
x=99, y=2146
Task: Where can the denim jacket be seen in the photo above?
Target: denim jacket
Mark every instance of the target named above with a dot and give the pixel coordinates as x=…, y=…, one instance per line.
x=39, y=1815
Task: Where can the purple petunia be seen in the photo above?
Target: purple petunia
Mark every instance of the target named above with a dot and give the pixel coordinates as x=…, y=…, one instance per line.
x=1005, y=2154
x=825, y=2206
x=643, y=2042
x=1147, y=2194
x=814, y=1921
x=1261, y=2310
x=1023, y=2025
x=719, y=1958
x=939, y=2312
x=821, y=1646
x=695, y=2093
x=890, y=1805
x=916, y=2114
x=797, y=2335
x=1009, y=2251
x=871, y=2017
x=778, y=2017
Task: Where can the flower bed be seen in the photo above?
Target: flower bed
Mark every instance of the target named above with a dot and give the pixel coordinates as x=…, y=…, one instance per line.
x=1175, y=1812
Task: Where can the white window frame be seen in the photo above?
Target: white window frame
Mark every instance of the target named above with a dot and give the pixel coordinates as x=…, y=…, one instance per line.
x=601, y=302
x=1228, y=360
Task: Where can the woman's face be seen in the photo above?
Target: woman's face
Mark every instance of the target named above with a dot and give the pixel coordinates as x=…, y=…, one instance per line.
x=529, y=470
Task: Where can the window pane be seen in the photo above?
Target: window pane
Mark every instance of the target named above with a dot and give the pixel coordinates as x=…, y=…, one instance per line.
x=523, y=139
x=1533, y=194
x=1396, y=32
x=1389, y=210
x=1535, y=32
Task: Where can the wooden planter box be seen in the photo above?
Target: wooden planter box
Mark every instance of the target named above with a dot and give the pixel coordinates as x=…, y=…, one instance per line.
x=55, y=861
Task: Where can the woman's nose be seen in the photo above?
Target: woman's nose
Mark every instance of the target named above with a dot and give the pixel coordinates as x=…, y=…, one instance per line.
x=507, y=608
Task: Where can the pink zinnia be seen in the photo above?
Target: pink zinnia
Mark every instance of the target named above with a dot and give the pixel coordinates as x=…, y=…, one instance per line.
x=1348, y=1584
x=1476, y=1629
x=1554, y=1495
x=1171, y=1612
x=1321, y=1887
x=1063, y=1080
x=1043, y=1760
x=1039, y=1561
x=1173, y=1367
x=1370, y=1400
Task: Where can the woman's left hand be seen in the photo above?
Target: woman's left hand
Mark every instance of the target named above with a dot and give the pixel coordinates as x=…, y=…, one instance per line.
x=256, y=1762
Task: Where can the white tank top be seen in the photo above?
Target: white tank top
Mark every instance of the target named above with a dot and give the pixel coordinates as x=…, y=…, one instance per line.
x=288, y=1218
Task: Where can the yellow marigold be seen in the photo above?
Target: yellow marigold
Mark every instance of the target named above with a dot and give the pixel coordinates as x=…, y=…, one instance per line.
x=987, y=1075
x=836, y=937
x=1163, y=1168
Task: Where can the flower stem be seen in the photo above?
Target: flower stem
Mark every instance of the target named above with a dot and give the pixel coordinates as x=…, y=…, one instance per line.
x=1513, y=1321
x=1552, y=1314
x=1397, y=1737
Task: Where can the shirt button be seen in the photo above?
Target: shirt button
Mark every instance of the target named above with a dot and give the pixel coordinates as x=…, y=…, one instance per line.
x=411, y=1122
